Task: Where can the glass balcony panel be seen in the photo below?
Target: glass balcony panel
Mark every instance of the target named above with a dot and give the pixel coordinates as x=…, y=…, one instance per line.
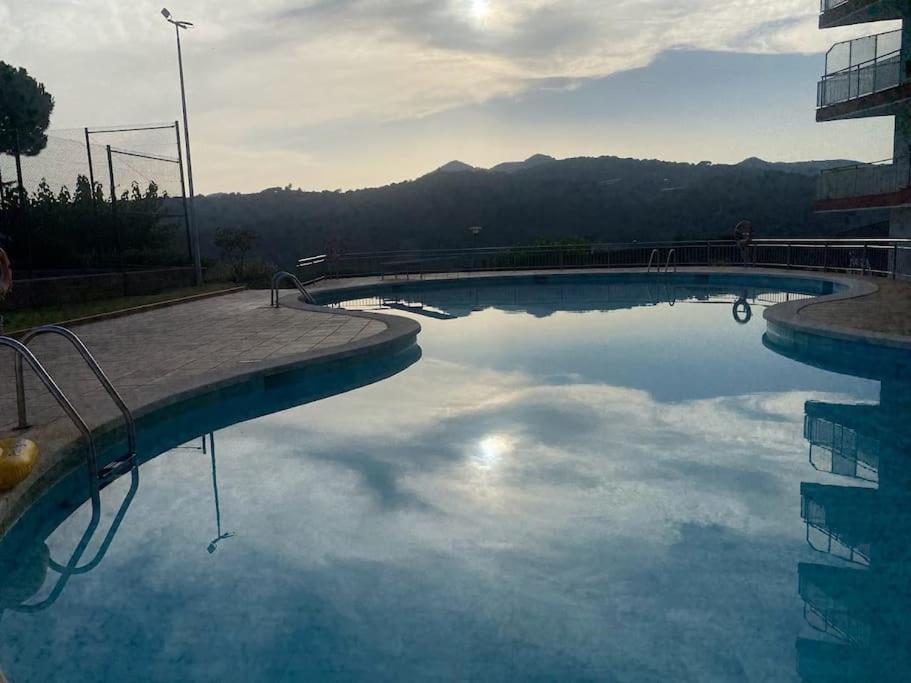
x=857, y=52
x=888, y=43
x=863, y=181
x=859, y=81
x=863, y=50
x=826, y=5
x=838, y=58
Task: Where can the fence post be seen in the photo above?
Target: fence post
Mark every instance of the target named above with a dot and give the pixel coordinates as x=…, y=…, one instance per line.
x=825, y=257
x=788, y=261
x=117, y=244
x=23, y=209
x=183, y=194
x=88, y=153
x=894, y=259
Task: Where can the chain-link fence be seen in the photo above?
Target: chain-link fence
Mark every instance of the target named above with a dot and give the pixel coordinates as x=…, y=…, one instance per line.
x=96, y=199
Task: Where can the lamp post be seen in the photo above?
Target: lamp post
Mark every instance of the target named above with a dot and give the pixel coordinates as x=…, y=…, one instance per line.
x=194, y=231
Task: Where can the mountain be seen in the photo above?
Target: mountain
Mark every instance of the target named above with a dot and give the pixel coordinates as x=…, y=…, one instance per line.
x=530, y=162
x=803, y=167
x=455, y=166
x=603, y=199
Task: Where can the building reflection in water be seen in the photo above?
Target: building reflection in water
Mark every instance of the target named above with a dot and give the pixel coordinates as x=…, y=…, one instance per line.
x=857, y=598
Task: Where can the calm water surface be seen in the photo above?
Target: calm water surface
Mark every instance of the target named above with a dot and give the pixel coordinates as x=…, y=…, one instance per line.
x=571, y=484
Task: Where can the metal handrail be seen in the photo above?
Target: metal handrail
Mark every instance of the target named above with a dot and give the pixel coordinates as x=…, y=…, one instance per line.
x=311, y=261
x=667, y=263
x=888, y=256
x=876, y=38
x=826, y=5
x=285, y=275
x=862, y=65
x=63, y=402
x=654, y=255
x=87, y=356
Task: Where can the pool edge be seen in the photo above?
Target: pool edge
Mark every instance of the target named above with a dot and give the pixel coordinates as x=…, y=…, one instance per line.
x=64, y=450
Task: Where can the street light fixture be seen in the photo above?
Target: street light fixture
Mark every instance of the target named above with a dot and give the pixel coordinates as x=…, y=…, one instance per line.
x=194, y=231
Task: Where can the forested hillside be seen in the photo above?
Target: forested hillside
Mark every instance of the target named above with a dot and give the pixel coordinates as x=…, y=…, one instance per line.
x=599, y=199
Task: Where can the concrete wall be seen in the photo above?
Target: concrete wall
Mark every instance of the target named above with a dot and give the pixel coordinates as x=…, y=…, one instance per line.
x=50, y=291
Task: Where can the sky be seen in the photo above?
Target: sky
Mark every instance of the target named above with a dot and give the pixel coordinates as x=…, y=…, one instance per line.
x=328, y=94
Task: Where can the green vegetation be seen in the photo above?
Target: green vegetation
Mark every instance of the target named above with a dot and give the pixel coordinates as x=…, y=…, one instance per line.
x=605, y=199
x=235, y=244
x=25, y=112
x=22, y=320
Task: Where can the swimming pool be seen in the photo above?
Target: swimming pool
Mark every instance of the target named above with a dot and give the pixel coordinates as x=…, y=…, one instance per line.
x=570, y=479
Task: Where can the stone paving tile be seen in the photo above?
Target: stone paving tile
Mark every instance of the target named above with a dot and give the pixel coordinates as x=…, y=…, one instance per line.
x=887, y=311
x=145, y=349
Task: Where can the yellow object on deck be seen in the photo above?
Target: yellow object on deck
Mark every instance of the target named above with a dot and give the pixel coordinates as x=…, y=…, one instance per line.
x=17, y=460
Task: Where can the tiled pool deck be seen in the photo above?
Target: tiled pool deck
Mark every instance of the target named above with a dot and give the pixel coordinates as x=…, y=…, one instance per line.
x=155, y=355
x=142, y=352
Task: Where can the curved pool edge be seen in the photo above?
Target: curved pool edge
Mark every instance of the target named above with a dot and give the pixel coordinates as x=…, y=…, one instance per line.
x=783, y=316
x=63, y=448
x=784, y=321
x=788, y=332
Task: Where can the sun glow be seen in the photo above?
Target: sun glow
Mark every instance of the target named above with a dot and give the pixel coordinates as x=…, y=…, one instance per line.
x=479, y=9
x=490, y=451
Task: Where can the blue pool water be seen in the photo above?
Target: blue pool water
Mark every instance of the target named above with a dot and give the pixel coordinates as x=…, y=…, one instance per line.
x=568, y=481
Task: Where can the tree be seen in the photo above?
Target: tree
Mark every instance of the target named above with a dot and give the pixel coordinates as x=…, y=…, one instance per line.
x=235, y=242
x=25, y=112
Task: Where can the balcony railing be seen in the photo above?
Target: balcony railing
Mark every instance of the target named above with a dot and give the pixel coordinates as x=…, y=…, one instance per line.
x=860, y=67
x=826, y=5
x=865, y=180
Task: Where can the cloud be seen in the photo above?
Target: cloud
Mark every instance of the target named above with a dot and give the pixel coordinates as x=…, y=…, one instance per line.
x=278, y=67
x=283, y=60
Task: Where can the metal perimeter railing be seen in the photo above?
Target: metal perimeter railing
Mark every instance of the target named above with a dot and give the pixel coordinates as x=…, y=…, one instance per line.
x=882, y=257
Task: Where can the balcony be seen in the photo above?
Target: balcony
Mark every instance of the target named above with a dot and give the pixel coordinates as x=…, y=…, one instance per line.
x=863, y=78
x=882, y=184
x=834, y=13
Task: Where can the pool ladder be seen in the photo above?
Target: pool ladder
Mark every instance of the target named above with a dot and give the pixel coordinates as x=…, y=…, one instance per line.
x=285, y=275
x=100, y=476
x=655, y=259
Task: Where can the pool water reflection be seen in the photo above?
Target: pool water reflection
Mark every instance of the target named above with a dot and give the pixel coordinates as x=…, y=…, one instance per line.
x=614, y=490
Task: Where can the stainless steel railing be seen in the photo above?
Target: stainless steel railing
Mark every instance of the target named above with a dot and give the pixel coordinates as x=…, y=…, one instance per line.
x=93, y=365
x=859, y=67
x=286, y=276
x=311, y=266
x=23, y=351
x=655, y=255
x=884, y=257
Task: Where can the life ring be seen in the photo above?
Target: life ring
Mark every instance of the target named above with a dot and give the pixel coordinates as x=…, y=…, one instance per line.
x=6, y=274
x=17, y=460
x=743, y=233
x=742, y=312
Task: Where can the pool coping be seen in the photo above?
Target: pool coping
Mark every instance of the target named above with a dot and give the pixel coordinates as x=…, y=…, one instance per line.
x=63, y=449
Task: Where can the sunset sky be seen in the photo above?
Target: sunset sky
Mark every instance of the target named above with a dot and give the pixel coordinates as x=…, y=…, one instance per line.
x=326, y=94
